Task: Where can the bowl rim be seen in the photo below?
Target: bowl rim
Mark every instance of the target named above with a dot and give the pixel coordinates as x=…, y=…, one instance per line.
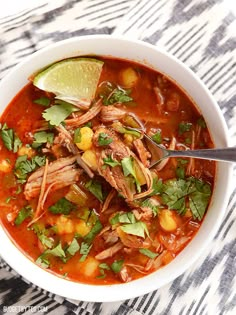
x=97, y=293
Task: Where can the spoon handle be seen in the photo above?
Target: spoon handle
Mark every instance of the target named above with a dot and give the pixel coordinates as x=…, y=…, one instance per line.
x=227, y=154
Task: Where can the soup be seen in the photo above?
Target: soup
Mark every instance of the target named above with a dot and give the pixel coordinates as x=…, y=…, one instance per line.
x=80, y=194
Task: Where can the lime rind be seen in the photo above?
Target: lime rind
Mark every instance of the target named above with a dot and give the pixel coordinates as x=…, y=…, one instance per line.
x=76, y=78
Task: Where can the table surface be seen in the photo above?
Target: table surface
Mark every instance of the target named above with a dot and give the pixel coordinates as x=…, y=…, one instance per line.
x=202, y=35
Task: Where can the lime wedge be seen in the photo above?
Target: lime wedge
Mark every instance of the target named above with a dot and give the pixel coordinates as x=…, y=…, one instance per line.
x=75, y=78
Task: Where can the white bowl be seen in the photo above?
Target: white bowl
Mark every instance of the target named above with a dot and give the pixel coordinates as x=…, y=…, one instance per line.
x=152, y=56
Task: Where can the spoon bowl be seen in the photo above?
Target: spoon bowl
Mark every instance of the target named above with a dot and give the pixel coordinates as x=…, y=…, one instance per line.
x=159, y=153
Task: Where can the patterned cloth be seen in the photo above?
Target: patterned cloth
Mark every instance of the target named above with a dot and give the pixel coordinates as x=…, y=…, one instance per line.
x=201, y=33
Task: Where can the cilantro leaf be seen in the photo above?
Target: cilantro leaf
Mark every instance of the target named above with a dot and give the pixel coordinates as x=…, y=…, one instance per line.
x=199, y=199
x=56, y=251
x=96, y=189
x=93, y=232
x=148, y=253
x=104, y=266
x=58, y=113
x=44, y=101
x=73, y=247
x=137, y=228
x=174, y=192
x=156, y=186
x=128, y=169
x=42, y=137
x=117, y=126
x=157, y=137
x=77, y=135
x=117, y=265
x=11, y=141
x=103, y=139
x=84, y=250
x=23, y=214
x=45, y=240
x=23, y=166
x=41, y=234
x=118, y=96
x=62, y=206
x=150, y=204
x=42, y=261
x=177, y=191
x=184, y=126
x=127, y=217
x=109, y=161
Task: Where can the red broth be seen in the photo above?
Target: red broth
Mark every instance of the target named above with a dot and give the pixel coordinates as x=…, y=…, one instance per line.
x=99, y=230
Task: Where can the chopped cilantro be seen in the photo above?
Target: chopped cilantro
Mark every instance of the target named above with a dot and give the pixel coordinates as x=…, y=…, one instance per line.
x=11, y=141
x=137, y=228
x=156, y=186
x=148, y=253
x=84, y=250
x=102, y=268
x=77, y=135
x=23, y=166
x=118, y=96
x=42, y=261
x=93, y=232
x=149, y=204
x=127, y=217
x=184, y=126
x=62, y=206
x=95, y=188
x=128, y=169
x=117, y=126
x=177, y=191
x=157, y=137
x=23, y=214
x=109, y=161
x=117, y=265
x=73, y=247
x=42, y=137
x=103, y=139
x=56, y=114
x=44, y=101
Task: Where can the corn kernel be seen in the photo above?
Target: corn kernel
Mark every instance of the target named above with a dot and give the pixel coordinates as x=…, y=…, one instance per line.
x=26, y=151
x=89, y=157
x=82, y=228
x=86, y=139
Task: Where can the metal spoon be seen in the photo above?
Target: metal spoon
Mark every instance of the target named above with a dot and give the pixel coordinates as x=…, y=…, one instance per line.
x=161, y=153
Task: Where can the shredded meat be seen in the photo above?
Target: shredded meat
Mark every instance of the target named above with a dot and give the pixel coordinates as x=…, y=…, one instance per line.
x=109, y=252
x=61, y=173
x=143, y=153
x=114, y=175
x=132, y=241
x=111, y=113
x=90, y=114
